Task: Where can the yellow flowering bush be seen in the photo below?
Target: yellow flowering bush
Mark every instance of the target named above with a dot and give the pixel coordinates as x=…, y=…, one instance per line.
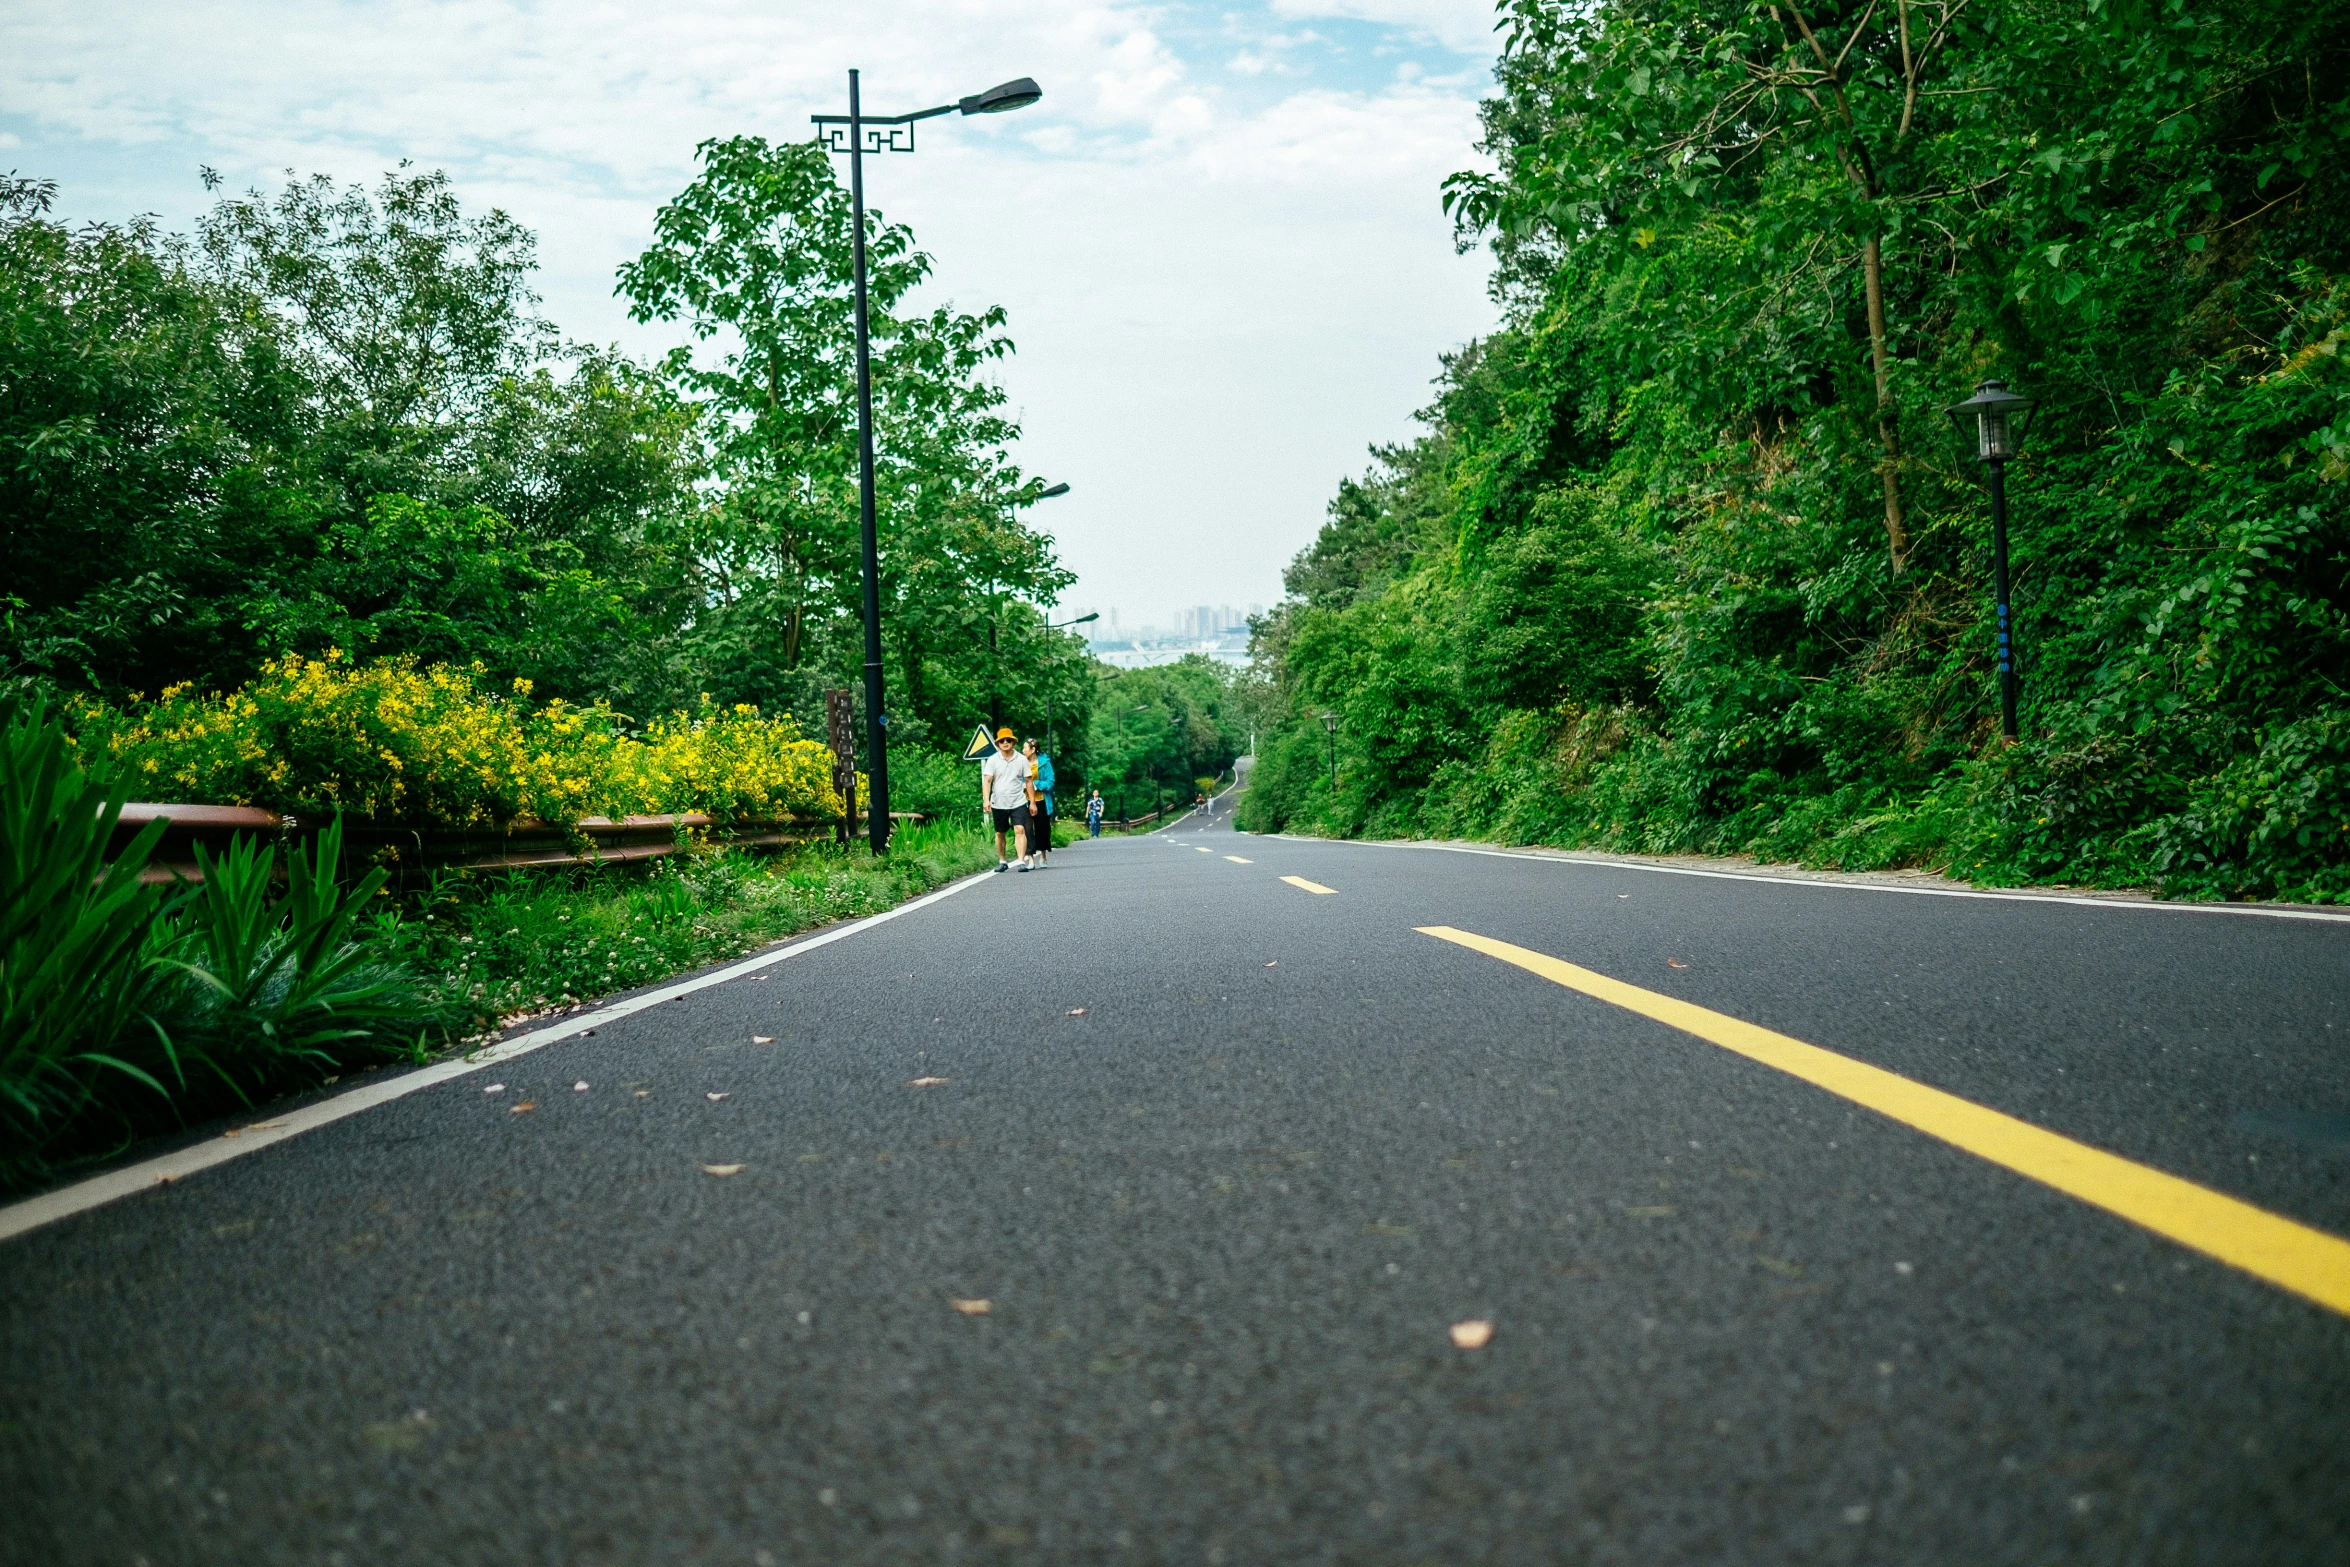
x=431, y=746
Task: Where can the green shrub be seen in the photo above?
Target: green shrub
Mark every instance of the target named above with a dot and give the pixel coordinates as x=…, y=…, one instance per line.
x=75, y=979
x=128, y=1007
x=269, y=991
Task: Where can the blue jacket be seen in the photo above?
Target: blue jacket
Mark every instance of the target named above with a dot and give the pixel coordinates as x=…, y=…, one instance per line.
x=1044, y=775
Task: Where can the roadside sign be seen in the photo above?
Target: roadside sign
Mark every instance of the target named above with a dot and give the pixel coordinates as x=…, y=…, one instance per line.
x=982, y=745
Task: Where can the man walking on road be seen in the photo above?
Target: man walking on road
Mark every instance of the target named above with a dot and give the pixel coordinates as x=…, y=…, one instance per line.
x=1003, y=793
x=1093, y=814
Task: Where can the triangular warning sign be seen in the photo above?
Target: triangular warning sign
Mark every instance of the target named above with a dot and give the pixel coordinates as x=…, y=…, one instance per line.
x=981, y=745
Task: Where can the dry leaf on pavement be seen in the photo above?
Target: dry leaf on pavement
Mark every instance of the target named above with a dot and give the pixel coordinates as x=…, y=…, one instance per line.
x=974, y=1308
x=495, y=1088
x=644, y=1093
x=1276, y=963
x=1077, y=1011
x=1472, y=1334
x=722, y=1169
x=714, y=1098
x=762, y=1039
x=924, y=1082
x=579, y=1087
x=1675, y=963
x=527, y=1104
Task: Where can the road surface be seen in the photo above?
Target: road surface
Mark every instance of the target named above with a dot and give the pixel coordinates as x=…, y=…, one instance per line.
x=1228, y=1143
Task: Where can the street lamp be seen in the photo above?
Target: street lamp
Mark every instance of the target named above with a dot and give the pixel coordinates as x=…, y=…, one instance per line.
x=857, y=136
x=995, y=663
x=1060, y=625
x=1995, y=416
x=1330, y=728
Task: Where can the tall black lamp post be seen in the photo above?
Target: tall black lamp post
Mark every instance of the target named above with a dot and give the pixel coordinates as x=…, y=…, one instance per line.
x=857, y=133
x=1994, y=416
x=1330, y=728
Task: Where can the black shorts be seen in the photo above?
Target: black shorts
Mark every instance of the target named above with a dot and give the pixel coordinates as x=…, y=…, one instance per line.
x=1007, y=819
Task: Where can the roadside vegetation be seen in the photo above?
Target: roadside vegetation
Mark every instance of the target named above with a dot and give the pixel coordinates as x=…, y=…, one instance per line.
x=311, y=509
x=1688, y=559
x=515, y=943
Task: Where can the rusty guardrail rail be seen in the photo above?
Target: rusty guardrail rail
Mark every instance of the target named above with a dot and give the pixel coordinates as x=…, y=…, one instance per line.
x=409, y=850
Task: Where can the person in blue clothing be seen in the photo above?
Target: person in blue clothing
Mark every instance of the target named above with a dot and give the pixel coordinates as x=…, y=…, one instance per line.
x=1040, y=779
x=1093, y=814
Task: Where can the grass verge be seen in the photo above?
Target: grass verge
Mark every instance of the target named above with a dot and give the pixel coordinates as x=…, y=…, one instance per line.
x=527, y=942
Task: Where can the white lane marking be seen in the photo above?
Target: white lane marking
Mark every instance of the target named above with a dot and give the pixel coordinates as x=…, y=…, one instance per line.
x=2247, y=909
x=114, y=1185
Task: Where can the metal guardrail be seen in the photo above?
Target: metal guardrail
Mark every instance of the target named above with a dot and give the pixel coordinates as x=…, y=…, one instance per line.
x=411, y=850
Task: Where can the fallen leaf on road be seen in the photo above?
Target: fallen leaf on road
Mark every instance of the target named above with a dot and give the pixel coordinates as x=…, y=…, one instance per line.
x=1675, y=963
x=579, y=1087
x=722, y=1169
x=714, y=1098
x=924, y=1082
x=526, y=1105
x=1077, y=1011
x=495, y=1088
x=1276, y=963
x=1472, y=1334
x=644, y=1093
x=974, y=1308
x=762, y=1039
x=258, y=1126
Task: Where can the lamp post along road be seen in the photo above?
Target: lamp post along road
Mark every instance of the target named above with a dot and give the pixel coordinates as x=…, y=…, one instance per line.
x=885, y=133
x=1995, y=416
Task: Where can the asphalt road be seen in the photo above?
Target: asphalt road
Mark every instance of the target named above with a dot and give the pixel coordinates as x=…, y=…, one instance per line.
x=1228, y=1158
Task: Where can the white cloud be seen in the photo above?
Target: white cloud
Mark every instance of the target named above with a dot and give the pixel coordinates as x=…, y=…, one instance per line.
x=1219, y=297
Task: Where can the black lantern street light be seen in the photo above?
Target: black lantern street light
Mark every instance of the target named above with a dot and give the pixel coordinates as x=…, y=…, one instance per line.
x=856, y=134
x=1330, y=728
x=1994, y=416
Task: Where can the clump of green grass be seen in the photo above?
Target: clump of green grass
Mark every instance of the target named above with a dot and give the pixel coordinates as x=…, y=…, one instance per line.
x=522, y=942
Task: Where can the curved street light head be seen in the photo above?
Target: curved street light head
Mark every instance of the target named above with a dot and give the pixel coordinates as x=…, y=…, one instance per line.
x=1016, y=94
x=1051, y=490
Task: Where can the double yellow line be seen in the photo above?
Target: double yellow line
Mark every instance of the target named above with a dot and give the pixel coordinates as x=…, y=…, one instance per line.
x=2310, y=1263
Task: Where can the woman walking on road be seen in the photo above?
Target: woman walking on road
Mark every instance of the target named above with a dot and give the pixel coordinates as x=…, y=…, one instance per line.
x=1040, y=804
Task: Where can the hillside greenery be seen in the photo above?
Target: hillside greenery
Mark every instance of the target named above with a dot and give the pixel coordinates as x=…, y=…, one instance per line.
x=1687, y=557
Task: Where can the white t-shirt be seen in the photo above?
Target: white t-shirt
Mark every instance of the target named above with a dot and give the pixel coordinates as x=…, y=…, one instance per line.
x=1007, y=780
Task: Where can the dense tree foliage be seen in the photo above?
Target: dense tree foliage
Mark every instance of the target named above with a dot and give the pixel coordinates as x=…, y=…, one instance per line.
x=1688, y=557
x=1156, y=732
x=335, y=418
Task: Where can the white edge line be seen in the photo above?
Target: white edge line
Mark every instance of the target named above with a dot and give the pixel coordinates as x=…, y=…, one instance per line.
x=98, y=1190
x=2242, y=910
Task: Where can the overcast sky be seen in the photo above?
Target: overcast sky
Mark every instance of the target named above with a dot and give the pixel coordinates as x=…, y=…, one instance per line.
x=1218, y=236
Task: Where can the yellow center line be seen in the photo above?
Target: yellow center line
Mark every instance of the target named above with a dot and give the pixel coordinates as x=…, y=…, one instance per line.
x=1237, y=860
x=2309, y=1262
x=1310, y=886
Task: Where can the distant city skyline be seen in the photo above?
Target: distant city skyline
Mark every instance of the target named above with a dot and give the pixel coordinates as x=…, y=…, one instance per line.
x=1198, y=622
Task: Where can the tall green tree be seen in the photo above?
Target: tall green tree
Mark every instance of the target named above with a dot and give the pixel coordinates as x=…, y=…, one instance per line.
x=755, y=258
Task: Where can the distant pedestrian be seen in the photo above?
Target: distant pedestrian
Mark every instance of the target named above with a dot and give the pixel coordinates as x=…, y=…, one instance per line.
x=1003, y=794
x=1093, y=814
